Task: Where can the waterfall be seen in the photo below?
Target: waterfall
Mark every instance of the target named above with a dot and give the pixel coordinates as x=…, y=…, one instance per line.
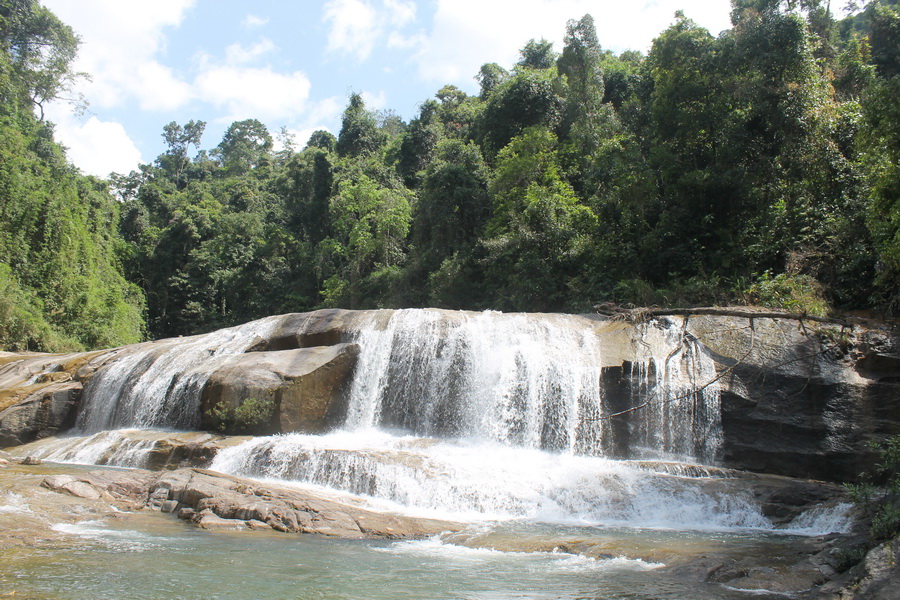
x=511, y=379
x=159, y=384
x=460, y=413
x=533, y=381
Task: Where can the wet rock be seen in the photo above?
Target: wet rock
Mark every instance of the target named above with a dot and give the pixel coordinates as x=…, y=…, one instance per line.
x=877, y=577
x=207, y=519
x=283, y=508
x=31, y=460
x=802, y=399
x=73, y=486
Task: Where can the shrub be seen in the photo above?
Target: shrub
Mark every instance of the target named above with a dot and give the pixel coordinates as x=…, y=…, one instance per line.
x=251, y=416
x=795, y=293
x=879, y=493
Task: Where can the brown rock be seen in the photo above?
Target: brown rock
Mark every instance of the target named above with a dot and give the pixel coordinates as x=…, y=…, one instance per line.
x=73, y=486
x=304, y=384
x=42, y=413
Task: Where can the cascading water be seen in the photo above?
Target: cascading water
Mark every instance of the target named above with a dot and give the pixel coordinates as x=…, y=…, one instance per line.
x=491, y=414
x=509, y=379
x=160, y=385
x=533, y=382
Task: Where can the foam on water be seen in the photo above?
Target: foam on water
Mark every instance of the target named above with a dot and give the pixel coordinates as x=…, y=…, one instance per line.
x=435, y=547
x=112, y=448
x=13, y=503
x=474, y=481
x=823, y=520
x=120, y=540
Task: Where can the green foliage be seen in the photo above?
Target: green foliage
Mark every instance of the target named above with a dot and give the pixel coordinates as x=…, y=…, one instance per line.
x=878, y=494
x=63, y=282
x=22, y=324
x=253, y=416
x=359, y=134
x=572, y=178
x=794, y=293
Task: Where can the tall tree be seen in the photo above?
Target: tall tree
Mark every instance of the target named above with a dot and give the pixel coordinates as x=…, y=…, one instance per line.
x=359, y=130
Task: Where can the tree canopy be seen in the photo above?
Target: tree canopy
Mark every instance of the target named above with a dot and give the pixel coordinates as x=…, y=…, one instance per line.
x=756, y=165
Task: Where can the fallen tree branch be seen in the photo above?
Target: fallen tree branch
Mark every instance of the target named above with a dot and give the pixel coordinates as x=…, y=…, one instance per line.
x=642, y=314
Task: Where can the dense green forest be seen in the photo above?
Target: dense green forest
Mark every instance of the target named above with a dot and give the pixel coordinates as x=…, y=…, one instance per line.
x=760, y=166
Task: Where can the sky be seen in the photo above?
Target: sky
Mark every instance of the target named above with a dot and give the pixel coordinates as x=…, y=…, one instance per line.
x=294, y=63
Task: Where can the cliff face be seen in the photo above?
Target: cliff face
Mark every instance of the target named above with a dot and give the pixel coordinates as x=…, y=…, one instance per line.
x=796, y=398
x=803, y=399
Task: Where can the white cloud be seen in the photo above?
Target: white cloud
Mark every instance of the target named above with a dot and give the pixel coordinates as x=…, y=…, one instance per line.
x=120, y=43
x=157, y=88
x=251, y=21
x=374, y=101
x=244, y=92
x=237, y=54
x=400, y=13
x=354, y=28
x=327, y=110
x=96, y=147
x=467, y=33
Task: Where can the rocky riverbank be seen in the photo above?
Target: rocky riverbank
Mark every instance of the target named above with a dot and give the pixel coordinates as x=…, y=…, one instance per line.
x=53, y=493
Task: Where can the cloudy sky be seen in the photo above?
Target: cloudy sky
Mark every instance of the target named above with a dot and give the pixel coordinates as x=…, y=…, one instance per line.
x=293, y=63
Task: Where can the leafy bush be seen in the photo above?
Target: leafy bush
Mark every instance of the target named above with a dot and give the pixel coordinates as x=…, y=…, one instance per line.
x=251, y=416
x=879, y=493
x=795, y=293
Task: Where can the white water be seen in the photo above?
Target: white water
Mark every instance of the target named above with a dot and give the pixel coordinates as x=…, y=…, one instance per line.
x=160, y=385
x=477, y=481
x=112, y=447
x=531, y=381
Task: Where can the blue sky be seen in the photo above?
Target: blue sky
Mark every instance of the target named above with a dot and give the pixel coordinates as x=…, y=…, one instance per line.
x=293, y=63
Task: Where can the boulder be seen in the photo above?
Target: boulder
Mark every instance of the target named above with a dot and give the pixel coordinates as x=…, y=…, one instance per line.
x=303, y=386
x=213, y=500
x=46, y=411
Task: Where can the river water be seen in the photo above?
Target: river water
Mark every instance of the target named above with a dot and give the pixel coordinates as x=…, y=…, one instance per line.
x=495, y=420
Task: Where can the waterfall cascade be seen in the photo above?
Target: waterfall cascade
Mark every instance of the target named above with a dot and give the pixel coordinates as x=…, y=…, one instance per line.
x=491, y=414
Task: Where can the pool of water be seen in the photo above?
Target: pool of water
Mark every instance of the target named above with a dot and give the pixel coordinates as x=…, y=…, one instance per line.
x=158, y=557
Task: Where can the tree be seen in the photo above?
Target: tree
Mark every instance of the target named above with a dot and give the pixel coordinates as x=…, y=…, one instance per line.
x=370, y=227
x=322, y=139
x=41, y=50
x=537, y=55
x=245, y=146
x=179, y=139
x=879, y=142
x=531, y=97
x=418, y=143
x=359, y=130
x=539, y=232
x=453, y=204
x=490, y=75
